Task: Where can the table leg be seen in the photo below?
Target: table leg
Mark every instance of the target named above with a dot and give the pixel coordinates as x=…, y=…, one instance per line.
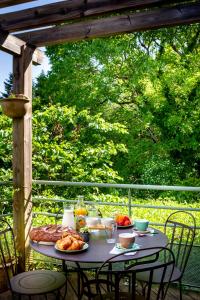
x=78, y=281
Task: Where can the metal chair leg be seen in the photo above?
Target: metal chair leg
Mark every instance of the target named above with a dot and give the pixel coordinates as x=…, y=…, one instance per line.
x=65, y=292
x=180, y=289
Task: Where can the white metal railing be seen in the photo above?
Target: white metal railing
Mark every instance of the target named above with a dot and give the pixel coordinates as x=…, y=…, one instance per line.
x=121, y=186
x=130, y=205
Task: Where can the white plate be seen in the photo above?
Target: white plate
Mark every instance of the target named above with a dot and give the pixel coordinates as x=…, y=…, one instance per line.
x=85, y=247
x=127, y=226
x=44, y=243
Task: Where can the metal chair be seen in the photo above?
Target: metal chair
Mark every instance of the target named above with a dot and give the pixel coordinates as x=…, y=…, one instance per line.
x=112, y=273
x=181, y=238
x=31, y=283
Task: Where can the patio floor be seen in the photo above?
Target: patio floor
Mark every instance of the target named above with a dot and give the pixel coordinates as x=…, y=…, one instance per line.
x=173, y=294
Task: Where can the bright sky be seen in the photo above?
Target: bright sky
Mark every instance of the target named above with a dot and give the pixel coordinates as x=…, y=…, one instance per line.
x=6, y=68
x=6, y=59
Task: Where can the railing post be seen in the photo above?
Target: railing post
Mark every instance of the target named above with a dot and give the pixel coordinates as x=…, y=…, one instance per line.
x=129, y=202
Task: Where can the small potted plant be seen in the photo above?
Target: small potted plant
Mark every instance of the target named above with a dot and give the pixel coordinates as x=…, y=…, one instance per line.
x=84, y=232
x=15, y=106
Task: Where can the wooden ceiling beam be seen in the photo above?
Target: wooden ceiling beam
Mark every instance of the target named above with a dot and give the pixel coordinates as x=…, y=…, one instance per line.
x=70, y=10
x=5, y=3
x=164, y=17
x=13, y=45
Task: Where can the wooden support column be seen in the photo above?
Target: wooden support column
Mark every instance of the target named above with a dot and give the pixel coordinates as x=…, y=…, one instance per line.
x=22, y=156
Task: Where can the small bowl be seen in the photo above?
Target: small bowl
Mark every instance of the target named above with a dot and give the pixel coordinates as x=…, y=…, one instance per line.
x=127, y=239
x=92, y=221
x=85, y=236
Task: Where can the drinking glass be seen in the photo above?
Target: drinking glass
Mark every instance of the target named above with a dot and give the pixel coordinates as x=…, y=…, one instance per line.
x=111, y=233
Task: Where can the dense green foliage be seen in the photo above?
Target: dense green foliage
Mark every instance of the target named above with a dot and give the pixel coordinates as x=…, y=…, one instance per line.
x=147, y=81
x=75, y=146
x=122, y=109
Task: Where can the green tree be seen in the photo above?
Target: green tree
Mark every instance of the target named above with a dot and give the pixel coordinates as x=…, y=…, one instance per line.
x=8, y=85
x=147, y=81
x=75, y=146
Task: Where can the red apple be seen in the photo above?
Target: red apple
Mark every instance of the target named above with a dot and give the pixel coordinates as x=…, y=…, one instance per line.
x=127, y=222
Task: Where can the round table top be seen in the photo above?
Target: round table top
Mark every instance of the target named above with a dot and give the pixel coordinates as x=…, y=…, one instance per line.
x=98, y=250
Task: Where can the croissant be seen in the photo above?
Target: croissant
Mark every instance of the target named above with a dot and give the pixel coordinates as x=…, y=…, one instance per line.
x=73, y=239
x=64, y=244
x=78, y=237
x=65, y=233
x=74, y=246
x=81, y=244
x=59, y=244
x=70, y=243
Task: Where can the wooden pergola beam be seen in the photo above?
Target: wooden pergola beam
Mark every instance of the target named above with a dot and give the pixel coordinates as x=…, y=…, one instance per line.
x=164, y=17
x=13, y=45
x=70, y=10
x=5, y=3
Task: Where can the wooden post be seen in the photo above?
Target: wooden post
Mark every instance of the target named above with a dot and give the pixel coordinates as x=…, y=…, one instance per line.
x=22, y=156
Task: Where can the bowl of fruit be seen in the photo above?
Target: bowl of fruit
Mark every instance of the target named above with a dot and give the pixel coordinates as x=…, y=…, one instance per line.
x=123, y=221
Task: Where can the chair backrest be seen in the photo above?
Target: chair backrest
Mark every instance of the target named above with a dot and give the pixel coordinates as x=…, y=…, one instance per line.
x=8, y=256
x=163, y=260
x=180, y=227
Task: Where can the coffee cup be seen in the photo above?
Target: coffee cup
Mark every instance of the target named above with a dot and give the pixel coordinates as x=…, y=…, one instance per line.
x=141, y=224
x=127, y=240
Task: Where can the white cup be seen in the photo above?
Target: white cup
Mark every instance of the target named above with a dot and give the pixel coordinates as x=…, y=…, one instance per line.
x=92, y=221
x=107, y=222
x=127, y=239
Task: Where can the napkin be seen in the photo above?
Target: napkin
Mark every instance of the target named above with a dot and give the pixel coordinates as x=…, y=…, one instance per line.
x=117, y=249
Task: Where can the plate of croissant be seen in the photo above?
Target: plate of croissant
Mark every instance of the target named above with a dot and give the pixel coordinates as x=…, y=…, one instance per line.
x=71, y=243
